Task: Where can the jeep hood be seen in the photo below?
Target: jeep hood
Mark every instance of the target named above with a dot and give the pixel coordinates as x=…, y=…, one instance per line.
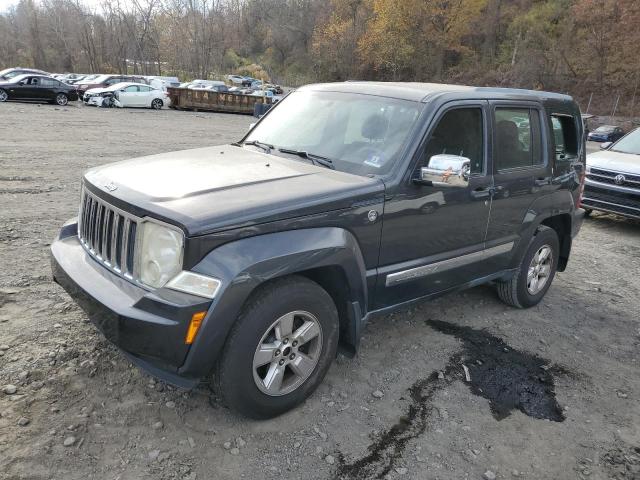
x=616, y=161
x=218, y=188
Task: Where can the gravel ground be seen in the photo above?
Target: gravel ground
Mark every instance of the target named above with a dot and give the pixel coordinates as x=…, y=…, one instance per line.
x=552, y=391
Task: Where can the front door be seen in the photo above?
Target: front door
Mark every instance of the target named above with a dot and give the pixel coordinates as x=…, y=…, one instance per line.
x=434, y=228
x=26, y=89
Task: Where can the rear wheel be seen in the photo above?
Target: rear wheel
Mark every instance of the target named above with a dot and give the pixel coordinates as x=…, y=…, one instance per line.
x=157, y=104
x=280, y=348
x=62, y=99
x=535, y=273
x=4, y=96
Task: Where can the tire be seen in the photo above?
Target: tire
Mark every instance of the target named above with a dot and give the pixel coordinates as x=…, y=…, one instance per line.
x=237, y=380
x=62, y=99
x=517, y=291
x=4, y=96
x=157, y=104
x=587, y=212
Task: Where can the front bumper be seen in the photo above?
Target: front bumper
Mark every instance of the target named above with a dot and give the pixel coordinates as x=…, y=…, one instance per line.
x=149, y=327
x=610, y=198
x=94, y=100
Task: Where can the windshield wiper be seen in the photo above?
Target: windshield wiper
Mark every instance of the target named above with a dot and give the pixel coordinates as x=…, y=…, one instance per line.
x=264, y=146
x=315, y=159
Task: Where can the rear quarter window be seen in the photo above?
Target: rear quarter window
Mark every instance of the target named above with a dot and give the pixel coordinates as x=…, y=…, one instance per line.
x=565, y=137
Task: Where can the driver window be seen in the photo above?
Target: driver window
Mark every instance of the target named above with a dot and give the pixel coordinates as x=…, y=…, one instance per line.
x=132, y=88
x=459, y=133
x=34, y=81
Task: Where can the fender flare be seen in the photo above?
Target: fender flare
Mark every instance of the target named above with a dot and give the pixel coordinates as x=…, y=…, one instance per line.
x=245, y=264
x=543, y=208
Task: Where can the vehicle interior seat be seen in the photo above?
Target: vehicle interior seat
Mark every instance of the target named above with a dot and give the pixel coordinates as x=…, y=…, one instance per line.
x=509, y=149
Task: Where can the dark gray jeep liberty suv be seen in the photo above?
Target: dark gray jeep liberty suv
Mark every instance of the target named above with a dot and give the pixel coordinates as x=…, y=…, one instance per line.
x=253, y=263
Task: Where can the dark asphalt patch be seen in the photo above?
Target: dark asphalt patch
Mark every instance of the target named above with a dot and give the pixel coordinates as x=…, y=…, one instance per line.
x=509, y=379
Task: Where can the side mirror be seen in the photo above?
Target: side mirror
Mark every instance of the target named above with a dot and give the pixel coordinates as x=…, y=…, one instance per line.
x=605, y=145
x=21, y=83
x=446, y=171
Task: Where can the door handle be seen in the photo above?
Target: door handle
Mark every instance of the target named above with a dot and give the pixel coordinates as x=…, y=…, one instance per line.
x=541, y=182
x=486, y=192
x=482, y=192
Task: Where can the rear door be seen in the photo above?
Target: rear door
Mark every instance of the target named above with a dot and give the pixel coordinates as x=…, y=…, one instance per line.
x=145, y=96
x=48, y=88
x=521, y=174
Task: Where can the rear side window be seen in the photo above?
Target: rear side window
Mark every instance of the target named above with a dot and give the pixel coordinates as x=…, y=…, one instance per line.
x=518, y=140
x=565, y=137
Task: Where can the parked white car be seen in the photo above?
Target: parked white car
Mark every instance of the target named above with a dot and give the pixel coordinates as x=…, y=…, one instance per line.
x=237, y=79
x=127, y=94
x=613, y=177
x=202, y=84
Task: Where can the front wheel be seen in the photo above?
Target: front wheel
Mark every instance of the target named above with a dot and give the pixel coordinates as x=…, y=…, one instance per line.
x=280, y=348
x=4, y=96
x=157, y=104
x=535, y=273
x=62, y=99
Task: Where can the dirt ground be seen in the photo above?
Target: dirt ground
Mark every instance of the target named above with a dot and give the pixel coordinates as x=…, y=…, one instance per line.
x=553, y=393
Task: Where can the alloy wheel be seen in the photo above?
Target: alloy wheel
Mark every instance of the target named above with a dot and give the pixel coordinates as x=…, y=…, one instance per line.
x=539, y=270
x=3, y=96
x=287, y=353
x=156, y=104
x=61, y=99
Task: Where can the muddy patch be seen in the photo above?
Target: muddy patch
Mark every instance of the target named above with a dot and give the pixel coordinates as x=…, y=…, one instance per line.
x=509, y=379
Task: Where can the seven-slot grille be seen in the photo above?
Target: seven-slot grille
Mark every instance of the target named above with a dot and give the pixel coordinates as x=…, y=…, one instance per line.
x=108, y=234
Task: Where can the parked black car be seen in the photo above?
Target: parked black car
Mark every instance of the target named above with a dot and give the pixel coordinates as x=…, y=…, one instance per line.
x=258, y=260
x=37, y=88
x=606, y=133
x=9, y=73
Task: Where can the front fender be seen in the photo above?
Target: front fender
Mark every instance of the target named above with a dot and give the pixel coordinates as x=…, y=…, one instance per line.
x=243, y=265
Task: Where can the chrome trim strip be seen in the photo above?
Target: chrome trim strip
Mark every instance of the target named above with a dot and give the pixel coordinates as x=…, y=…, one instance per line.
x=444, y=265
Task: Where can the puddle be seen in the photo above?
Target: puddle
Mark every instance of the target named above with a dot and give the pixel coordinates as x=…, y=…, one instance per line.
x=509, y=379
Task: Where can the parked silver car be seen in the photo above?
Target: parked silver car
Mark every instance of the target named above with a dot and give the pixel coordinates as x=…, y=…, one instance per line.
x=613, y=177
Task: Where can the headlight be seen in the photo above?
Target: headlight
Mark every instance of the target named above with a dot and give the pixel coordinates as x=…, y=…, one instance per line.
x=160, y=254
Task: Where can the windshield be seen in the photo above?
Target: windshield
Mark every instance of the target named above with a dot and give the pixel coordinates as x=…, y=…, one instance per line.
x=11, y=75
x=628, y=144
x=17, y=78
x=98, y=79
x=360, y=134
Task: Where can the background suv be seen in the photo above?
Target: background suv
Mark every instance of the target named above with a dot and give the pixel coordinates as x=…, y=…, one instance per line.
x=613, y=177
